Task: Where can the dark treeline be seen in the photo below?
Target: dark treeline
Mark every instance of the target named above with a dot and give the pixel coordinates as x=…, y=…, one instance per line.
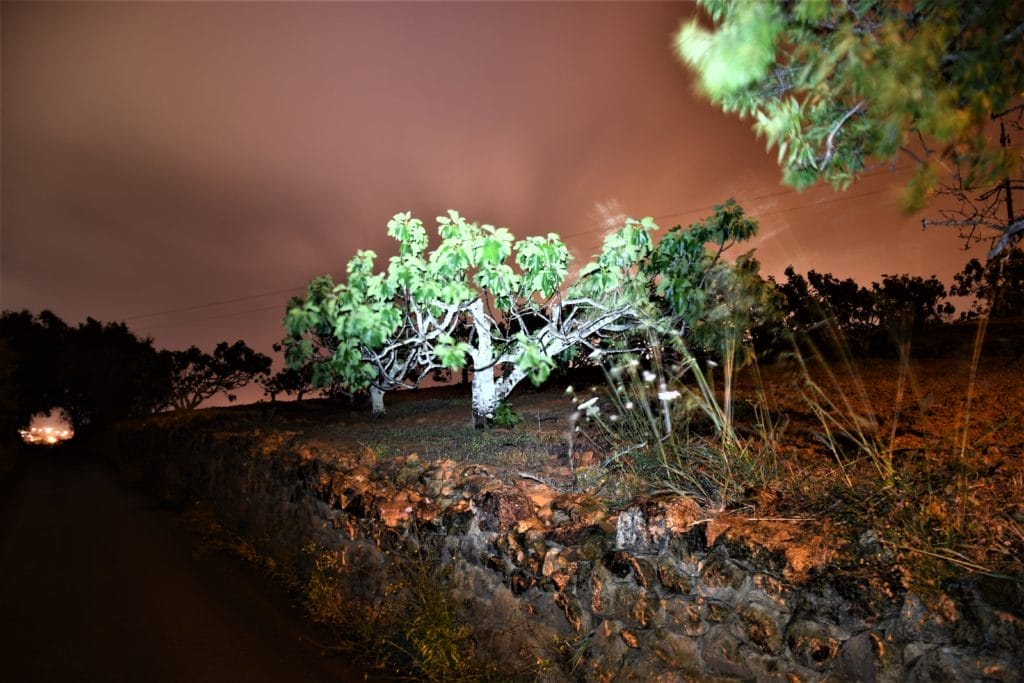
x=100, y=372
x=879, y=319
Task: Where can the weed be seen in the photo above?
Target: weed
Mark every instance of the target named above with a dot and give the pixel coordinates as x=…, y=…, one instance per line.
x=664, y=422
x=505, y=416
x=415, y=623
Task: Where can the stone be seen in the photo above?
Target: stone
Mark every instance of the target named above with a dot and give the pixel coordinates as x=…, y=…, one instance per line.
x=856, y=661
x=938, y=664
x=724, y=653
x=813, y=644
x=501, y=508
x=678, y=652
x=763, y=626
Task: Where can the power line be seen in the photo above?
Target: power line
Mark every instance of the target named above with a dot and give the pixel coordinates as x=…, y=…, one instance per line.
x=212, y=317
x=214, y=303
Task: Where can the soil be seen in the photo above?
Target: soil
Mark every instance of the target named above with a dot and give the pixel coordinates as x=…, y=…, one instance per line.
x=927, y=456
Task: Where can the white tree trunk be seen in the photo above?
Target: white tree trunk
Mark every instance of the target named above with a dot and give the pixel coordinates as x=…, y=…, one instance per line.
x=485, y=400
x=377, y=401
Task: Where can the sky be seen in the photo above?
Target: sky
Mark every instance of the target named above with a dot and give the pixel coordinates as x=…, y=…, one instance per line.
x=186, y=167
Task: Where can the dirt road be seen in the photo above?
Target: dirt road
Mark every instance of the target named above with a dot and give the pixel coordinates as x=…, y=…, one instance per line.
x=98, y=583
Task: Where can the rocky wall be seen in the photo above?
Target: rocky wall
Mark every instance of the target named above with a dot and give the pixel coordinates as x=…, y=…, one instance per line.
x=556, y=585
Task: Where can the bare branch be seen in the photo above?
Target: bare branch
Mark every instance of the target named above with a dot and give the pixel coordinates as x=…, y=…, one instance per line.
x=1013, y=230
x=829, y=147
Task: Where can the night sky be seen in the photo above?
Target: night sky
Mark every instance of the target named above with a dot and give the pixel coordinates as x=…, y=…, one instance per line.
x=161, y=158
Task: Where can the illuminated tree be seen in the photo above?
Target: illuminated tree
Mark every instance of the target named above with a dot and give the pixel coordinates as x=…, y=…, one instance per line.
x=833, y=85
x=480, y=299
x=505, y=308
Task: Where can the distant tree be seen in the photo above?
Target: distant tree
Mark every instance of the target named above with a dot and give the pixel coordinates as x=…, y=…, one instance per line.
x=822, y=307
x=997, y=286
x=834, y=85
x=906, y=304
x=293, y=381
x=822, y=301
x=109, y=373
x=199, y=376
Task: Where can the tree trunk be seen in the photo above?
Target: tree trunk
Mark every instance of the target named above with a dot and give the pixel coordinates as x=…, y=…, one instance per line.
x=377, y=401
x=485, y=400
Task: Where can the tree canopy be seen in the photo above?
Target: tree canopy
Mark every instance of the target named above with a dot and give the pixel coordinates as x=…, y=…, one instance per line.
x=835, y=85
x=96, y=372
x=508, y=310
x=199, y=376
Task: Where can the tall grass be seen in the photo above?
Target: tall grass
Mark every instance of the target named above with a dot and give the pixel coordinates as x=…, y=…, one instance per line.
x=665, y=422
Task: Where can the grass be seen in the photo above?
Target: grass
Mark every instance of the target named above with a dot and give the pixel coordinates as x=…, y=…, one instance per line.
x=413, y=622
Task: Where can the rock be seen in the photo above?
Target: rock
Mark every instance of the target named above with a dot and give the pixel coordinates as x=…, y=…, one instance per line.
x=856, y=661
x=939, y=665
x=724, y=653
x=761, y=623
x=813, y=644
x=679, y=653
x=501, y=507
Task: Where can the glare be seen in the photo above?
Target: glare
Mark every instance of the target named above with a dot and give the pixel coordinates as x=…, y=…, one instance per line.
x=48, y=428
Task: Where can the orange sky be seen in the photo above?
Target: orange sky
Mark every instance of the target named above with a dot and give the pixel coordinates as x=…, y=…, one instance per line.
x=160, y=158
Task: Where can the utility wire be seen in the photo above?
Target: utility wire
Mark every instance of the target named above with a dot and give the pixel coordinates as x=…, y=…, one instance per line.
x=278, y=307
x=214, y=303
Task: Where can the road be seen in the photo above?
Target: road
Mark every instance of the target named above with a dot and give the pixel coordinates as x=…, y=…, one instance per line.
x=99, y=583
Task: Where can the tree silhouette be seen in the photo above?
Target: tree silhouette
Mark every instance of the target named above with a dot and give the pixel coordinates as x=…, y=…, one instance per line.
x=997, y=286
x=830, y=311
x=199, y=376
x=96, y=372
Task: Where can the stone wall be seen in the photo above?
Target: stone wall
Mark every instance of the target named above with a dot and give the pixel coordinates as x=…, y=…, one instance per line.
x=558, y=586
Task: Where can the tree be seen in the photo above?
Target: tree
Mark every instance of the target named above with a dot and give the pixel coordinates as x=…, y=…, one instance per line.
x=97, y=372
x=996, y=286
x=199, y=376
x=821, y=307
x=506, y=309
x=906, y=304
x=987, y=212
x=297, y=381
x=717, y=305
x=480, y=299
x=109, y=373
x=833, y=85
x=842, y=305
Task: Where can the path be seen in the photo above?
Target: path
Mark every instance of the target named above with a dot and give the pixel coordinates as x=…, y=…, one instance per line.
x=98, y=583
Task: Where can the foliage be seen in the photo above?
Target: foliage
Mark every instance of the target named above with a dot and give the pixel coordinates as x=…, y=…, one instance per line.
x=480, y=299
x=97, y=372
x=832, y=85
x=505, y=416
x=997, y=286
x=821, y=307
x=199, y=376
x=504, y=309
x=714, y=304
